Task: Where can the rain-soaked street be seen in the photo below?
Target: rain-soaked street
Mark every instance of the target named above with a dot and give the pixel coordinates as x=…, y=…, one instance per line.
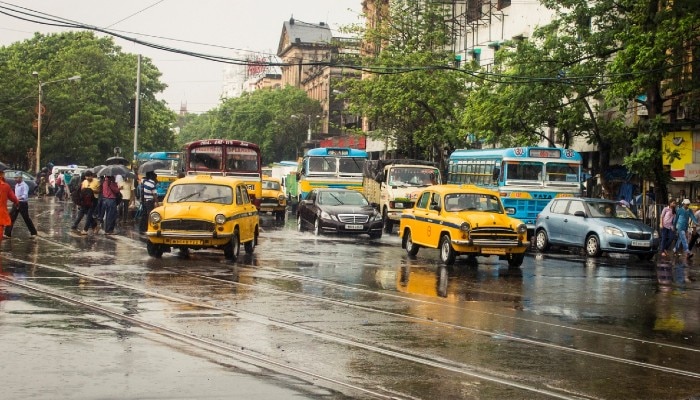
x=85, y=317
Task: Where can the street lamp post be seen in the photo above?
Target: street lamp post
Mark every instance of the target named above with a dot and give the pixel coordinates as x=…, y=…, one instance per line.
x=39, y=112
x=309, y=118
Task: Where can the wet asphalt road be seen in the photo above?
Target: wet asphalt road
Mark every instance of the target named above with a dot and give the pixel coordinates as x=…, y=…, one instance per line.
x=326, y=317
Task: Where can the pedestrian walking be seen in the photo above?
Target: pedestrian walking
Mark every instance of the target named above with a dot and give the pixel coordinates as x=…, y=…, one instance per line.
x=683, y=216
x=108, y=203
x=89, y=193
x=6, y=193
x=666, y=224
x=149, y=199
x=22, y=208
x=126, y=187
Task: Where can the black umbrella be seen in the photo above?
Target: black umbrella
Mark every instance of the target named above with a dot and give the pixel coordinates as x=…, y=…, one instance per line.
x=3, y=167
x=153, y=165
x=117, y=160
x=113, y=170
x=96, y=169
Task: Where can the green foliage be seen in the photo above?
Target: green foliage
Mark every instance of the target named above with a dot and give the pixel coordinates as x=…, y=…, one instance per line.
x=84, y=121
x=410, y=100
x=275, y=119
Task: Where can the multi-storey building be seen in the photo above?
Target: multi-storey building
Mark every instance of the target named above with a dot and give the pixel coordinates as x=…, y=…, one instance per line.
x=308, y=53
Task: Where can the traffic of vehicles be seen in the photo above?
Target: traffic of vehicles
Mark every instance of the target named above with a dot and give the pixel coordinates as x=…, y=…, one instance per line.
x=495, y=202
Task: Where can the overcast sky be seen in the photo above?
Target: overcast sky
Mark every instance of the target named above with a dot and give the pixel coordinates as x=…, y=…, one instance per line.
x=224, y=25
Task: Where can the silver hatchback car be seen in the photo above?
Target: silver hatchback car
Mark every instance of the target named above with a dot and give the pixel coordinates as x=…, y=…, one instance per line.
x=596, y=225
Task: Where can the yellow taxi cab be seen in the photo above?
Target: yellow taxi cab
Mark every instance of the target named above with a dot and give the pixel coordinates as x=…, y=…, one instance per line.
x=273, y=198
x=463, y=220
x=201, y=212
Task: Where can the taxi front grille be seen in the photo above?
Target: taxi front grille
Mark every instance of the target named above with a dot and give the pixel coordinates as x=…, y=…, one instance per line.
x=493, y=234
x=353, y=218
x=187, y=225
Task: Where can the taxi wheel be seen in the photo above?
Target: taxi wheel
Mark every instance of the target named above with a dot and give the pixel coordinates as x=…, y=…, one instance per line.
x=592, y=246
x=541, y=240
x=154, y=250
x=250, y=246
x=447, y=253
x=411, y=248
x=515, y=260
x=232, y=248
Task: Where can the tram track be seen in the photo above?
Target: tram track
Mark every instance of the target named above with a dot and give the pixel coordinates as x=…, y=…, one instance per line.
x=234, y=350
x=387, y=350
x=434, y=362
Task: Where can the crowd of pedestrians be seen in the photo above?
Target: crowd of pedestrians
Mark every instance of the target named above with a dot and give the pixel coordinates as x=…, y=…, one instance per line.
x=102, y=202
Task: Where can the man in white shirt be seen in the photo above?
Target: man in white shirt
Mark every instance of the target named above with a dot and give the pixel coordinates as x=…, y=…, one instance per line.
x=22, y=193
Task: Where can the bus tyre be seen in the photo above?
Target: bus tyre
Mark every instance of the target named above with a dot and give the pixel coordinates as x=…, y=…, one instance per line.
x=515, y=259
x=447, y=253
x=388, y=223
x=542, y=240
x=411, y=248
x=232, y=248
x=250, y=246
x=592, y=246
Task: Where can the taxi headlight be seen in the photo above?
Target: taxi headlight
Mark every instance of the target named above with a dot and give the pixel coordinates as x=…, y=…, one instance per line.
x=155, y=217
x=281, y=197
x=465, y=227
x=522, y=228
x=220, y=219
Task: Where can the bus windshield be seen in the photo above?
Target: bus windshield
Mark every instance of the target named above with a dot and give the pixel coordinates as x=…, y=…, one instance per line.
x=524, y=171
x=241, y=159
x=562, y=172
x=350, y=165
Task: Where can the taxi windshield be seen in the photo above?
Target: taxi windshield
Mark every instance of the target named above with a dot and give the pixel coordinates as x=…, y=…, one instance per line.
x=198, y=192
x=472, y=202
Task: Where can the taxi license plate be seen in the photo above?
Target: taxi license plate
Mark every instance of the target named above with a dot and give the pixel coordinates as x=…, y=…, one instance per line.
x=354, y=227
x=641, y=243
x=184, y=241
x=498, y=252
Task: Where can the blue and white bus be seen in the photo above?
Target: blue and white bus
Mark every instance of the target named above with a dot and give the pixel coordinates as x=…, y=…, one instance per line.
x=527, y=178
x=330, y=167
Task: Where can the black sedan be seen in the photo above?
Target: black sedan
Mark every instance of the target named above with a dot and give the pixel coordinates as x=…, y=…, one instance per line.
x=29, y=179
x=339, y=211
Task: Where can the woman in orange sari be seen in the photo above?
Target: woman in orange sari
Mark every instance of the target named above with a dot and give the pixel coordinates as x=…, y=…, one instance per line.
x=6, y=193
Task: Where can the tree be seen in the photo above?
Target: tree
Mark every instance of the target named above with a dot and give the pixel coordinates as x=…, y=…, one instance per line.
x=82, y=122
x=274, y=119
x=580, y=74
x=408, y=96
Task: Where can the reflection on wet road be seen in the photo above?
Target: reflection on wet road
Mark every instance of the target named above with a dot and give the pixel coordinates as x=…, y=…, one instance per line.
x=359, y=318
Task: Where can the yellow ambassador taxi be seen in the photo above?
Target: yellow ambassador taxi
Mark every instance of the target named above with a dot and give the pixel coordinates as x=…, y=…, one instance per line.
x=273, y=198
x=462, y=220
x=203, y=211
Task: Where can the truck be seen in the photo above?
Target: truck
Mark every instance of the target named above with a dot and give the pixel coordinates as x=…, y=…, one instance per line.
x=390, y=183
